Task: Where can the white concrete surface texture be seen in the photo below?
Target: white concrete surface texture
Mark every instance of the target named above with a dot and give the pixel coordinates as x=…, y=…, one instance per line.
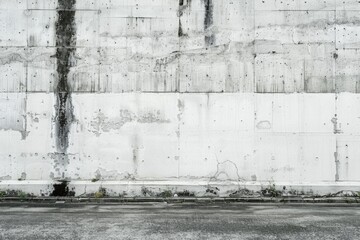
x=180, y=92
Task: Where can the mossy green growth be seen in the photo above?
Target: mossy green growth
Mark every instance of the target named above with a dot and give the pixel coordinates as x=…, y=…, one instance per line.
x=271, y=191
x=2, y=193
x=165, y=194
x=22, y=195
x=100, y=193
x=147, y=192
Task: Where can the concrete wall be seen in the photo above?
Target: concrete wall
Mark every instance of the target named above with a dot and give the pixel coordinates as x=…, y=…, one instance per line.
x=179, y=93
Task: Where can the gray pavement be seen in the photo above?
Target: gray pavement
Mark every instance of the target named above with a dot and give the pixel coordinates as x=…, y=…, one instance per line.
x=179, y=221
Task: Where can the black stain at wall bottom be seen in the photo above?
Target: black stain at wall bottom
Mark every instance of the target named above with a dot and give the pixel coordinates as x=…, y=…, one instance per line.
x=61, y=189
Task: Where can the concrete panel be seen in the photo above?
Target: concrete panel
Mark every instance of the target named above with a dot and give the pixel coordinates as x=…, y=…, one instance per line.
x=216, y=140
x=294, y=157
x=348, y=113
x=295, y=5
x=127, y=132
x=53, y=4
x=140, y=54
x=154, y=36
x=348, y=166
x=347, y=71
x=318, y=111
x=217, y=112
x=32, y=166
x=347, y=29
x=13, y=65
x=39, y=123
x=235, y=93
x=276, y=157
x=84, y=72
x=120, y=72
x=276, y=73
x=140, y=8
x=233, y=21
x=16, y=4
x=301, y=68
x=216, y=155
x=5, y=172
x=295, y=113
x=26, y=144
x=13, y=27
x=228, y=21
x=12, y=113
x=41, y=28
x=41, y=70
x=42, y=4
x=226, y=68
x=348, y=5
x=295, y=27
x=317, y=158
x=87, y=28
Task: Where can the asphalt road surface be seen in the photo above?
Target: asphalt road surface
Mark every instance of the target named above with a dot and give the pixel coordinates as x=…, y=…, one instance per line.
x=179, y=221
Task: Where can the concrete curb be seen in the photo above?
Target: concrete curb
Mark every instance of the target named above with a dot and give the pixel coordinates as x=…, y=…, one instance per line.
x=208, y=200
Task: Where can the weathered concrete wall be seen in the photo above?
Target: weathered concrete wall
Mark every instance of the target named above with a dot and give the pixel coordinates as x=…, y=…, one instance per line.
x=179, y=92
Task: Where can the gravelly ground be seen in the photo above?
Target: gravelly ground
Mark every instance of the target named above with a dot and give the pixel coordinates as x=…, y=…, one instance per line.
x=179, y=221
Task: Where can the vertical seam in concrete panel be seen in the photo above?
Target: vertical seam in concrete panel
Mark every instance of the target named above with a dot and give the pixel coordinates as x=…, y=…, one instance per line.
x=254, y=50
x=336, y=153
x=336, y=131
x=180, y=35
x=24, y=133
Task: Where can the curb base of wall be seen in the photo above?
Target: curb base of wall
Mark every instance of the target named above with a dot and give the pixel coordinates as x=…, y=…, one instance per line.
x=228, y=189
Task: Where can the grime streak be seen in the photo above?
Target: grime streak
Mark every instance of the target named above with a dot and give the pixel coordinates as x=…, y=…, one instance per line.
x=65, y=50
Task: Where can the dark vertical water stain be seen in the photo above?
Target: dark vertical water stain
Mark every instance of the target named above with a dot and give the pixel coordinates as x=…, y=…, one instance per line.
x=65, y=50
x=180, y=31
x=208, y=22
x=182, y=7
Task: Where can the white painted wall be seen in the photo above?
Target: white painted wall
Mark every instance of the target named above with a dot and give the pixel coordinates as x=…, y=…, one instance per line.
x=274, y=99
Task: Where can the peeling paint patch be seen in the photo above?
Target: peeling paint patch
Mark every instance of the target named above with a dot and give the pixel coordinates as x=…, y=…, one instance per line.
x=253, y=178
x=337, y=129
x=102, y=123
x=104, y=175
x=263, y=125
x=161, y=63
x=23, y=176
x=152, y=117
x=7, y=177
x=61, y=160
